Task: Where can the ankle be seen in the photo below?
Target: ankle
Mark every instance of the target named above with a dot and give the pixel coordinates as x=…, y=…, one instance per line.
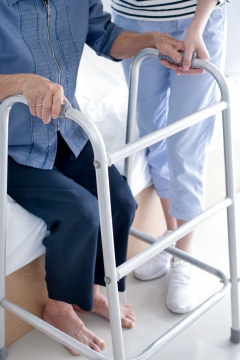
x=57, y=307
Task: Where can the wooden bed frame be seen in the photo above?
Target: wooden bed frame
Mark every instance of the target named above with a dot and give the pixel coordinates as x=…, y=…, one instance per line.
x=26, y=287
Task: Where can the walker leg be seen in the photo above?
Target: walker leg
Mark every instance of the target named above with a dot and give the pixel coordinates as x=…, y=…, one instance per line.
x=231, y=219
x=3, y=353
x=235, y=336
x=3, y=349
x=235, y=330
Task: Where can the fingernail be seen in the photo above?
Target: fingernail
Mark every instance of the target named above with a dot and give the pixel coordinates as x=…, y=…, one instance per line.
x=131, y=325
x=54, y=116
x=185, y=67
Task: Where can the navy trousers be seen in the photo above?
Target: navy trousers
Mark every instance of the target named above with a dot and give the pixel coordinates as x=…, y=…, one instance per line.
x=66, y=199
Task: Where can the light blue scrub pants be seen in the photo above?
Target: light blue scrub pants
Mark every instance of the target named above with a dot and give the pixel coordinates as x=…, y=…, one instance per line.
x=177, y=163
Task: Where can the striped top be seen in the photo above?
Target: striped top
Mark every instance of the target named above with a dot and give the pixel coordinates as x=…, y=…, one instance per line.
x=155, y=10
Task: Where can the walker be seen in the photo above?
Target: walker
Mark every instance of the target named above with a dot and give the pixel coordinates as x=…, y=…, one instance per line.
x=112, y=273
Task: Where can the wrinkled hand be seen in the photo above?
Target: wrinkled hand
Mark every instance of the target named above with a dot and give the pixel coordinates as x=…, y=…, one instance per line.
x=193, y=42
x=167, y=45
x=44, y=98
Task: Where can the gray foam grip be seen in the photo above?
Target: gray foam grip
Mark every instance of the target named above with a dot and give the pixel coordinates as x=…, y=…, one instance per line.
x=167, y=58
x=65, y=106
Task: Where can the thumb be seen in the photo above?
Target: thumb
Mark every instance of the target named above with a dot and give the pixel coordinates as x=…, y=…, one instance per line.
x=187, y=59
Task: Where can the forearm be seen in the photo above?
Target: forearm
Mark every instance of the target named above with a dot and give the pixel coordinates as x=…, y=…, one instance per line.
x=11, y=85
x=128, y=44
x=202, y=14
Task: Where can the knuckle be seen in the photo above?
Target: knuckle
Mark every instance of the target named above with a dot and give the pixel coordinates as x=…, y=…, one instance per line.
x=48, y=87
x=47, y=107
x=57, y=88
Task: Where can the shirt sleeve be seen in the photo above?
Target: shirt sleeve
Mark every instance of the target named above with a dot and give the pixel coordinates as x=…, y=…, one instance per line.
x=221, y=2
x=101, y=30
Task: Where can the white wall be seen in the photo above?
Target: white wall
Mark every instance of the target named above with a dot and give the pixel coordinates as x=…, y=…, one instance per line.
x=107, y=5
x=232, y=67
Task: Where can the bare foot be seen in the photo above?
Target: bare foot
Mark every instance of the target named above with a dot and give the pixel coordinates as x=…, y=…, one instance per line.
x=100, y=307
x=62, y=316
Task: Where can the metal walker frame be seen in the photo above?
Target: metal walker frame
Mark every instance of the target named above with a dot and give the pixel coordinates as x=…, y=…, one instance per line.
x=113, y=273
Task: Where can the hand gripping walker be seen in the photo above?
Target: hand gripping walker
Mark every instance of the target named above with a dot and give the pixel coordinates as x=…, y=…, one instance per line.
x=113, y=274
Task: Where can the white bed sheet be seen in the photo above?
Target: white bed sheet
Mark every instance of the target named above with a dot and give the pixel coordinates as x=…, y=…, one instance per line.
x=25, y=233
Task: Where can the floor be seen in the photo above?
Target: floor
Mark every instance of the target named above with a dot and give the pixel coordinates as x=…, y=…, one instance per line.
x=207, y=338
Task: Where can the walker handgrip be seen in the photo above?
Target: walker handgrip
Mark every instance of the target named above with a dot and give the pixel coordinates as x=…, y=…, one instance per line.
x=65, y=106
x=167, y=58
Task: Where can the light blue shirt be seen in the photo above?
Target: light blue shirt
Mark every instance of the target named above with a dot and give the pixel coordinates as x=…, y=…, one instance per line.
x=31, y=44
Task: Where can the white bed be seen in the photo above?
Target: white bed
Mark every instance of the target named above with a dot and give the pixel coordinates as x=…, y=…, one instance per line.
x=102, y=94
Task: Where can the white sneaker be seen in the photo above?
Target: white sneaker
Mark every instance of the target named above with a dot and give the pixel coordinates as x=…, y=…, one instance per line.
x=181, y=297
x=154, y=267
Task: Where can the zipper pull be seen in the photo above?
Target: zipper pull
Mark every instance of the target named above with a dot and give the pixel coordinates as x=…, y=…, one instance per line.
x=48, y=8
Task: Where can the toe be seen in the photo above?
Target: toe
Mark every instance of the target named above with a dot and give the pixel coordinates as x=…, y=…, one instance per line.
x=100, y=343
x=127, y=313
x=95, y=347
x=128, y=323
x=72, y=352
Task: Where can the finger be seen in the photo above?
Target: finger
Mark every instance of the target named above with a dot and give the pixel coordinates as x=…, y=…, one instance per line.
x=58, y=100
x=179, y=45
x=191, y=71
x=171, y=49
x=174, y=54
x=47, y=107
x=187, y=59
x=32, y=104
x=170, y=65
x=39, y=106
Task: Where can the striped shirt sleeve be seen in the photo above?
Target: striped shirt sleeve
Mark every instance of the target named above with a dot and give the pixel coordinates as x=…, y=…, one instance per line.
x=156, y=10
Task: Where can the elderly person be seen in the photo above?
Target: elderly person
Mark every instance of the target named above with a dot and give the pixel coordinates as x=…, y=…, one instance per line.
x=176, y=164
x=50, y=171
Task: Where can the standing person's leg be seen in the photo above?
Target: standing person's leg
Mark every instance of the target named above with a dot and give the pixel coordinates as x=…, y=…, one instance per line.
x=152, y=112
x=187, y=152
x=213, y=38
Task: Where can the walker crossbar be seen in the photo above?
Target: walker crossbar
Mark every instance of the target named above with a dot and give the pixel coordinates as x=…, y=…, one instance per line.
x=161, y=244
x=111, y=272
x=51, y=331
x=150, y=139
x=193, y=315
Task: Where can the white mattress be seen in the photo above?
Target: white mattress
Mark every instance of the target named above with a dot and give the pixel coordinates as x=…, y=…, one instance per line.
x=102, y=94
x=25, y=233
